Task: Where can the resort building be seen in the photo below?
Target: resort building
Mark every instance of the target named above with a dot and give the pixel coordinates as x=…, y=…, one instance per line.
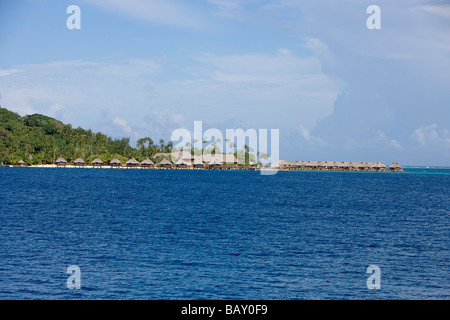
x=61, y=162
x=97, y=162
x=132, y=163
x=115, y=163
x=395, y=167
x=165, y=163
x=79, y=162
x=147, y=163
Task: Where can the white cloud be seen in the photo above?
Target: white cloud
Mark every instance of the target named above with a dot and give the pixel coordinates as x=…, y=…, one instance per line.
x=319, y=48
x=261, y=90
x=312, y=140
x=432, y=135
x=381, y=138
x=123, y=124
x=8, y=72
x=439, y=10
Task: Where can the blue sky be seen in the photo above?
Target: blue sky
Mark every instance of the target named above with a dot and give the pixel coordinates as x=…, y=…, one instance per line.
x=336, y=90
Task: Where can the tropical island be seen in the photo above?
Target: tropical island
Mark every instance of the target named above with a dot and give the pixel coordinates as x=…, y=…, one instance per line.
x=39, y=140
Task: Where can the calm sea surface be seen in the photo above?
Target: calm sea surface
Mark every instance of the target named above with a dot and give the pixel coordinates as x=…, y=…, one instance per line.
x=179, y=234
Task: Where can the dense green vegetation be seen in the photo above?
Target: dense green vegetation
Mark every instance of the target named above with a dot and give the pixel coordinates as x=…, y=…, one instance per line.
x=38, y=139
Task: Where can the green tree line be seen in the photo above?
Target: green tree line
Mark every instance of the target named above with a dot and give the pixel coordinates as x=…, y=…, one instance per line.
x=38, y=139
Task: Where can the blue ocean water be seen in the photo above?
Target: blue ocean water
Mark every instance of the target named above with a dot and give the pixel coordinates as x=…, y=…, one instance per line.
x=181, y=234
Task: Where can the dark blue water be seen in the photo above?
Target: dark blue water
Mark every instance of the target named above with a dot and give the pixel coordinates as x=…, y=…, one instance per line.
x=178, y=234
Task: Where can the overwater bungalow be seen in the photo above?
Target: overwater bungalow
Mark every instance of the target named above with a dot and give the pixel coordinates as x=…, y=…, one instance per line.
x=165, y=163
x=115, y=163
x=21, y=163
x=334, y=166
x=379, y=166
x=97, y=162
x=341, y=166
x=132, y=163
x=147, y=163
x=79, y=162
x=347, y=166
x=395, y=167
x=322, y=165
x=61, y=162
x=309, y=165
x=285, y=164
x=229, y=159
x=209, y=158
x=198, y=162
x=183, y=163
x=215, y=163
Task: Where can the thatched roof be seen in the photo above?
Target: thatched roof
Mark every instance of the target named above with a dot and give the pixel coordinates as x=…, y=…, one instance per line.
x=221, y=157
x=132, y=162
x=198, y=160
x=209, y=158
x=379, y=165
x=97, y=161
x=164, y=162
x=183, y=162
x=284, y=163
x=60, y=160
x=79, y=161
x=147, y=162
x=215, y=162
x=229, y=158
x=20, y=162
x=115, y=161
x=395, y=165
x=322, y=163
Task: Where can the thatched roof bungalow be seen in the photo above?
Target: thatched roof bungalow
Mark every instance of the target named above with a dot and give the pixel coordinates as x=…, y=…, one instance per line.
x=379, y=166
x=115, y=163
x=229, y=159
x=97, y=162
x=322, y=165
x=183, y=163
x=132, y=163
x=21, y=163
x=395, y=167
x=147, y=163
x=310, y=164
x=198, y=162
x=285, y=164
x=165, y=163
x=218, y=158
x=60, y=161
x=79, y=162
x=209, y=158
x=215, y=163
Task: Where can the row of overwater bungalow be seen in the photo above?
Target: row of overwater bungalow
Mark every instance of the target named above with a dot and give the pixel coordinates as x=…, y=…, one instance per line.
x=338, y=166
x=179, y=160
x=184, y=159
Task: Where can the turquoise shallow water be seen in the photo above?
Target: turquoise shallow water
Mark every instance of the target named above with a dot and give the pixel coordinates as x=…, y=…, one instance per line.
x=178, y=234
